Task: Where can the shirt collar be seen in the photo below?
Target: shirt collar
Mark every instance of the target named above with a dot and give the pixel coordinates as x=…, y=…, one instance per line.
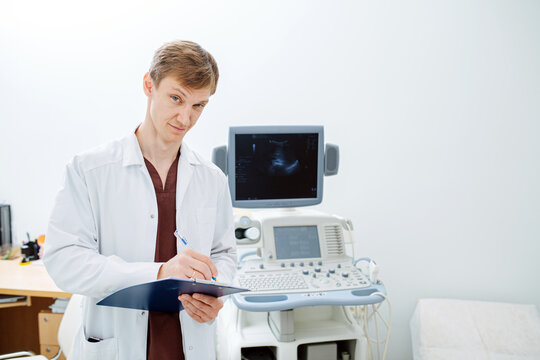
x=132, y=154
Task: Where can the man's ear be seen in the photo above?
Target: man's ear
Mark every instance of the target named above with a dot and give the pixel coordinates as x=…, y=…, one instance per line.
x=148, y=84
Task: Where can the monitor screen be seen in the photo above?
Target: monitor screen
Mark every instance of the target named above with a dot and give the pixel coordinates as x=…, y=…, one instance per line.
x=275, y=166
x=5, y=227
x=297, y=242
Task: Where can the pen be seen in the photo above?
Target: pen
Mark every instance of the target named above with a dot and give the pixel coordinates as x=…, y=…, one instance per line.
x=183, y=244
x=181, y=241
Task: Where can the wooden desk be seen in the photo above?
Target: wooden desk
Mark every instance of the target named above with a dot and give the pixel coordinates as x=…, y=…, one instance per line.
x=19, y=321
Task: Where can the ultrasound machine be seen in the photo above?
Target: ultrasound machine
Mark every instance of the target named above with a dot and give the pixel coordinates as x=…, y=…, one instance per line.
x=310, y=298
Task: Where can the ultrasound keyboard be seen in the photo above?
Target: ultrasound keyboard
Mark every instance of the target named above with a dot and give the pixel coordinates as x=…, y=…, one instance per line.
x=300, y=277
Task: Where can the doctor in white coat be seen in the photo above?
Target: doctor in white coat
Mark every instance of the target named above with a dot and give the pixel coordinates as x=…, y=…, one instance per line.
x=102, y=231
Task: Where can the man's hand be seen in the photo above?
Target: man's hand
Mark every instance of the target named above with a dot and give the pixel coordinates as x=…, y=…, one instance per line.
x=200, y=307
x=189, y=264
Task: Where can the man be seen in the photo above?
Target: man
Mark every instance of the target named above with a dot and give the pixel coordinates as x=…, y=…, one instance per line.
x=113, y=222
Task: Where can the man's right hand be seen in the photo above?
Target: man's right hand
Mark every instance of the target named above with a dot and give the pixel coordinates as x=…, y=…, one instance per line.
x=187, y=265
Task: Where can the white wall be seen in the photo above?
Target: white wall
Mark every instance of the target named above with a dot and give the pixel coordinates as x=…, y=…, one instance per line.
x=435, y=106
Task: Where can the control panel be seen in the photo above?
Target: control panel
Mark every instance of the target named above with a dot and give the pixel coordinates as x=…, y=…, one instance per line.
x=301, y=260
x=300, y=276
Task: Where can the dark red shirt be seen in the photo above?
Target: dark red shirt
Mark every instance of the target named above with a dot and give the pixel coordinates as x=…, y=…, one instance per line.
x=164, y=333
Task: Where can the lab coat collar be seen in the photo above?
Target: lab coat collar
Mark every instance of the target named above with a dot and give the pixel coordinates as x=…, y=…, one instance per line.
x=132, y=154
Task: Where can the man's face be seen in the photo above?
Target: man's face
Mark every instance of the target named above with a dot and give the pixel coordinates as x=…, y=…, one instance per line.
x=173, y=108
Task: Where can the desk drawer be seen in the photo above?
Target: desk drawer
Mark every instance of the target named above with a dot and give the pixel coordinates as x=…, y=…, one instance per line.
x=48, y=327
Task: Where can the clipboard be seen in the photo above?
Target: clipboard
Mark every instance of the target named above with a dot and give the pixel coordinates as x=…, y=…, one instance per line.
x=162, y=295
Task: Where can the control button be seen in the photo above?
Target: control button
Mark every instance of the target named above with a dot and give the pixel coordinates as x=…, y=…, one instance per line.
x=292, y=264
x=331, y=271
x=319, y=263
x=301, y=264
x=245, y=220
x=327, y=274
x=338, y=284
x=317, y=269
x=261, y=266
x=282, y=264
x=252, y=233
x=345, y=275
x=311, y=263
x=339, y=266
x=305, y=272
x=314, y=275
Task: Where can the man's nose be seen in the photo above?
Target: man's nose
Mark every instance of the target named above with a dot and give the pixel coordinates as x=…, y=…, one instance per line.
x=184, y=115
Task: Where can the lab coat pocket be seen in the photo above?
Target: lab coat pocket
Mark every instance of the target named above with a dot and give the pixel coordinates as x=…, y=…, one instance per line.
x=106, y=349
x=206, y=223
x=198, y=339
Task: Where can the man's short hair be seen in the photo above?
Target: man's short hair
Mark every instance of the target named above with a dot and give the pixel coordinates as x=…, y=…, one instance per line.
x=191, y=65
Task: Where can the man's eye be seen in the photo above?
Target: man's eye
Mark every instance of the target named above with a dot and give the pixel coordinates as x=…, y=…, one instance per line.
x=175, y=98
x=199, y=106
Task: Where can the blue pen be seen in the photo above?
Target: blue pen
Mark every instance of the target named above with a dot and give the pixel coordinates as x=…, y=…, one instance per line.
x=182, y=244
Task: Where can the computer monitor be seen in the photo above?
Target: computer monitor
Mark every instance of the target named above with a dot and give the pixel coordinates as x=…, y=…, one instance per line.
x=5, y=227
x=276, y=166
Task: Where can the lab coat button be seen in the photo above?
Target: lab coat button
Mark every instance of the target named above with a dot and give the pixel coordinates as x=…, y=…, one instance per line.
x=143, y=312
x=191, y=348
x=152, y=216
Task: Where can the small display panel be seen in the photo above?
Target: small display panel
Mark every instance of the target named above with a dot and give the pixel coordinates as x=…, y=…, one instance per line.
x=276, y=166
x=297, y=242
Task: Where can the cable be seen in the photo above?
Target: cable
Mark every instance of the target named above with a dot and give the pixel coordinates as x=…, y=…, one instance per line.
x=368, y=259
x=388, y=325
x=244, y=255
x=363, y=316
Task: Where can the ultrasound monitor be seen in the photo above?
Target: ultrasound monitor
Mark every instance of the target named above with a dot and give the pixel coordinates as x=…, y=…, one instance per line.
x=275, y=166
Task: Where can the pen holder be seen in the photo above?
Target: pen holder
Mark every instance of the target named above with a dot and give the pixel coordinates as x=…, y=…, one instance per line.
x=30, y=250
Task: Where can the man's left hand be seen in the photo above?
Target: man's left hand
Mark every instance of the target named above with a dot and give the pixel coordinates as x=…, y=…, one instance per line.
x=200, y=307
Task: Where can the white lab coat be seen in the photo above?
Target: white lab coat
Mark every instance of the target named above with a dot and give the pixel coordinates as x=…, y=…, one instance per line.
x=102, y=237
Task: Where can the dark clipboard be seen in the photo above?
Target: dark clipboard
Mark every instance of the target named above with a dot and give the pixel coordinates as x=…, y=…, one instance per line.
x=162, y=295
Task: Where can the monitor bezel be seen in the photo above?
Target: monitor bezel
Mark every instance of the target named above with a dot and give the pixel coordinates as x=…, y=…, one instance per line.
x=284, y=129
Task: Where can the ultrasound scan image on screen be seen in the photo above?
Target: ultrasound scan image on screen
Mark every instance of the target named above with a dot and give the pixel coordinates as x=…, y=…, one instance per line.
x=276, y=166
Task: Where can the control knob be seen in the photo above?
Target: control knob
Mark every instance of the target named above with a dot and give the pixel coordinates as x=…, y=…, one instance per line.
x=251, y=233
